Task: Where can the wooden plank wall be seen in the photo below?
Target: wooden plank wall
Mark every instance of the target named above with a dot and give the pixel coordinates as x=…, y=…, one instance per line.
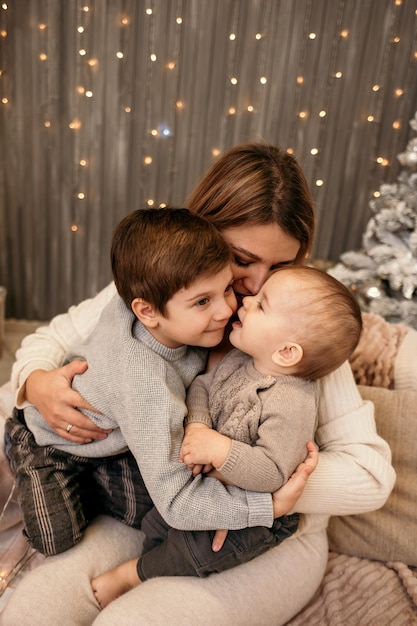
x=92, y=125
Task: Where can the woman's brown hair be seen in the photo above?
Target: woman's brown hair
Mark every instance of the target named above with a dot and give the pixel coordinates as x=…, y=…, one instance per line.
x=257, y=183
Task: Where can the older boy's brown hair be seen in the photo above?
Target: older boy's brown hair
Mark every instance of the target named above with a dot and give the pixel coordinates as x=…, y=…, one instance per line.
x=157, y=252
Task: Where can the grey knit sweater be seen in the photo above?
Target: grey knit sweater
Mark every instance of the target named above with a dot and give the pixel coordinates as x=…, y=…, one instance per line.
x=270, y=419
x=139, y=386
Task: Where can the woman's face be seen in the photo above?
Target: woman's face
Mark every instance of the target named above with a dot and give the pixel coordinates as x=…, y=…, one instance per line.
x=258, y=250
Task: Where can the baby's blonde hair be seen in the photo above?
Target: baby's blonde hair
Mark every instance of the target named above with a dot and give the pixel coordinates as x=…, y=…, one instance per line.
x=328, y=324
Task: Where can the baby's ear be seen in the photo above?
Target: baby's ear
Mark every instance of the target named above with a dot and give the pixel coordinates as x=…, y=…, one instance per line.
x=145, y=312
x=288, y=355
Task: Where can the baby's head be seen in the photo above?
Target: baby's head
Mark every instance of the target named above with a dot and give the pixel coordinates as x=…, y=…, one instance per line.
x=302, y=322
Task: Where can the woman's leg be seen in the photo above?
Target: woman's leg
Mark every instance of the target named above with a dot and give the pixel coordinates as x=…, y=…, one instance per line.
x=59, y=591
x=269, y=590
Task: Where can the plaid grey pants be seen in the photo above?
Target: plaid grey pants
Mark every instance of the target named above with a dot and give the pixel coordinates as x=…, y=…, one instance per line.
x=59, y=493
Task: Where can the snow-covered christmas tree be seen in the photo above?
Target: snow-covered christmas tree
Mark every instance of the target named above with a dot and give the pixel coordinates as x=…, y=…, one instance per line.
x=383, y=274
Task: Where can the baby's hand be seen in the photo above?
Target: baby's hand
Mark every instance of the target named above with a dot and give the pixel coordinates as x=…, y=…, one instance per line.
x=198, y=468
x=203, y=446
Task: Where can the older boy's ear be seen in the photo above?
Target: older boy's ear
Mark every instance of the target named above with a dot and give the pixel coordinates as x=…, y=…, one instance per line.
x=288, y=355
x=145, y=312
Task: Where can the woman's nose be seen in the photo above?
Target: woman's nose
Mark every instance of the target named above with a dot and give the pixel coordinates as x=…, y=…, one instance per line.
x=254, y=282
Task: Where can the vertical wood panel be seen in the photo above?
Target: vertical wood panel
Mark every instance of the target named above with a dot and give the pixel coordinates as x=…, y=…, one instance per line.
x=45, y=265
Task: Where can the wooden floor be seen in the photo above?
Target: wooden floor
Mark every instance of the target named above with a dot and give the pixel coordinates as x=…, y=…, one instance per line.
x=14, y=331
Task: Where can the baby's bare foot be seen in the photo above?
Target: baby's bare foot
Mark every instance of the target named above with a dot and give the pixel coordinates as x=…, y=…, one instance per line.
x=115, y=582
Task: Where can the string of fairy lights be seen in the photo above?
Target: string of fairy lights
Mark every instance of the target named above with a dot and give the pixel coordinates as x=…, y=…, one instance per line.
x=88, y=66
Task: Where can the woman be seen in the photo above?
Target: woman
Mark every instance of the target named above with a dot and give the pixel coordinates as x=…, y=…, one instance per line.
x=258, y=198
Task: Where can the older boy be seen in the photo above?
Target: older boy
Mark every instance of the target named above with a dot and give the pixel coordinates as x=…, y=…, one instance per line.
x=174, y=281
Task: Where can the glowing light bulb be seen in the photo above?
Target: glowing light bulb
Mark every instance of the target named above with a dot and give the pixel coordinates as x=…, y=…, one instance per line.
x=75, y=124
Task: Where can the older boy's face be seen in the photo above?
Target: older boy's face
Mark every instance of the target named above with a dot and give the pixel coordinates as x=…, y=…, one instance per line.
x=197, y=315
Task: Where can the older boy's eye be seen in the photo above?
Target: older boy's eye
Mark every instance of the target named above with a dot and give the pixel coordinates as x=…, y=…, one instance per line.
x=202, y=302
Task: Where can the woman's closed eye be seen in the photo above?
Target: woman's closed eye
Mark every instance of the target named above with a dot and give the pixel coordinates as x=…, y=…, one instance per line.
x=239, y=262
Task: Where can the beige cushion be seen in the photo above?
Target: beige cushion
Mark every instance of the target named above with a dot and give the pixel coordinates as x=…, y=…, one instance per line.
x=389, y=534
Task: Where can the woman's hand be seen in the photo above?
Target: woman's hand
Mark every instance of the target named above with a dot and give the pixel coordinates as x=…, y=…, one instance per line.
x=53, y=396
x=285, y=499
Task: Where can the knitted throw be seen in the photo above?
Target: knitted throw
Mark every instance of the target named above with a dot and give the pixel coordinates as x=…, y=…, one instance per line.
x=373, y=360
